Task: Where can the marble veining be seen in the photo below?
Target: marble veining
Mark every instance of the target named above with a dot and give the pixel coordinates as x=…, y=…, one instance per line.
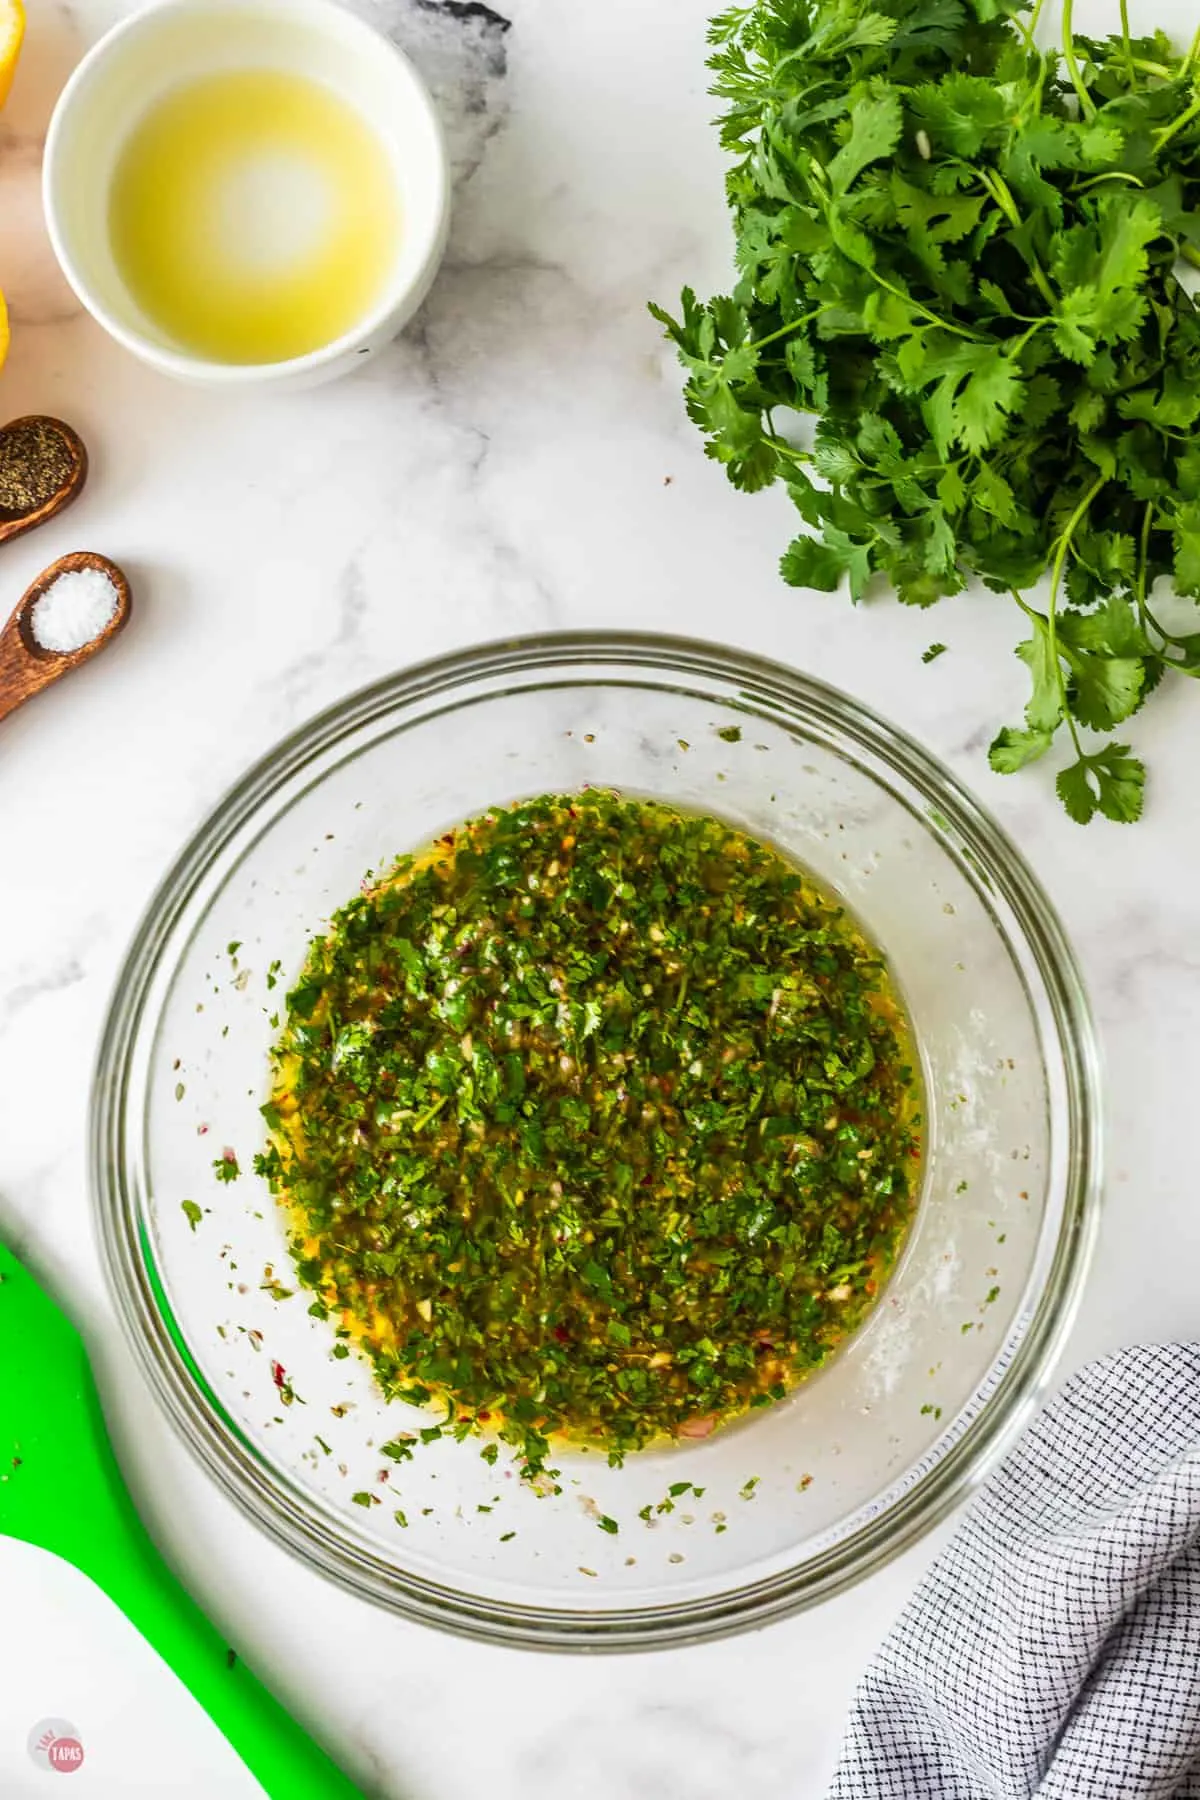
x=461, y=48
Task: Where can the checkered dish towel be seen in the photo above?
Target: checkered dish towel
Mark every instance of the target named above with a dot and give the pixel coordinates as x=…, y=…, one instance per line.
x=1054, y=1649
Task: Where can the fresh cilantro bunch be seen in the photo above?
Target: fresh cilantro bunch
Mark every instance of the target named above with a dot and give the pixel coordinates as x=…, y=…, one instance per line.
x=960, y=254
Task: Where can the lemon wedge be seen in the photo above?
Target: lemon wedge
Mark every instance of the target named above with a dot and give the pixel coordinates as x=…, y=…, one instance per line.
x=12, y=31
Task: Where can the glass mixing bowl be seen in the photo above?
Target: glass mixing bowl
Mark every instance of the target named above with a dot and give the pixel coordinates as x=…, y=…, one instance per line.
x=799, y=1499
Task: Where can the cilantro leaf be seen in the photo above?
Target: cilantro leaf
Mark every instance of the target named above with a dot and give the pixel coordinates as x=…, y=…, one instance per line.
x=809, y=563
x=987, y=396
x=1044, y=708
x=1105, y=690
x=1110, y=781
x=1187, y=548
x=1010, y=750
x=875, y=126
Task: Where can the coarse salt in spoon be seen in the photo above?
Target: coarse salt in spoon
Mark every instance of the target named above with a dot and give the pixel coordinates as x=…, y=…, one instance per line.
x=43, y=466
x=73, y=609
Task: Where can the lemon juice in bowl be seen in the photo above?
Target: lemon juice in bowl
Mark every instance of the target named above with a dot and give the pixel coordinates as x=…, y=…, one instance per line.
x=254, y=215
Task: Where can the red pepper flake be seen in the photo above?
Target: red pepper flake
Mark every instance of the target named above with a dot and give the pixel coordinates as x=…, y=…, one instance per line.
x=279, y=1375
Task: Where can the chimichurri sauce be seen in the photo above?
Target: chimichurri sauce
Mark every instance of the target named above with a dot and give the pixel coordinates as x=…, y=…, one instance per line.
x=596, y=1121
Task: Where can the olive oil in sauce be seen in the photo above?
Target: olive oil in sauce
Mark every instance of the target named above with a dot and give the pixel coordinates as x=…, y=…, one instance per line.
x=254, y=216
x=596, y=1122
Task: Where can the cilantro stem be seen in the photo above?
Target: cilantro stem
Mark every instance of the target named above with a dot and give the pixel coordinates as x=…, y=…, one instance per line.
x=1026, y=31
x=976, y=337
x=1087, y=105
x=1081, y=187
x=1018, y=344
x=1190, y=58
x=783, y=448
x=1168, y=131
x=786, y=330
x=1034, y=96
x=998, y=188
x=1060, y=556
x=430, y=1112
x=1125, y=43
x=1139, y=588
x=1050, y=621
x=1063, y=542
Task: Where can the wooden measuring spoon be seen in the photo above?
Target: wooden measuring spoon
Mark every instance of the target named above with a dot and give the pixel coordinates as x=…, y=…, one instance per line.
x=16, y=519
x=25, y=667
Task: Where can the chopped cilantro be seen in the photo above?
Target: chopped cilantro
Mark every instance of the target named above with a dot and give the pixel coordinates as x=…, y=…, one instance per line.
x=618, y=1075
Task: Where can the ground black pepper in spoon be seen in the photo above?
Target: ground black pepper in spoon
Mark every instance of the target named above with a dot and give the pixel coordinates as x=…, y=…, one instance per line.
x=43, y=466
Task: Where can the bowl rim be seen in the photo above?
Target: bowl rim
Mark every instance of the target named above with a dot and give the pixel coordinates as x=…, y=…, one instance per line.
x=399, y=299
x=1017, y=1383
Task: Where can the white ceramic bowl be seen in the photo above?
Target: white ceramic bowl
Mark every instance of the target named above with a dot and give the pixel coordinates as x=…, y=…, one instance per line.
x=140, y=60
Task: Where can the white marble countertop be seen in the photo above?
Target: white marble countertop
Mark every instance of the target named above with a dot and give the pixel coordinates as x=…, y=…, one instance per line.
x=519, y=460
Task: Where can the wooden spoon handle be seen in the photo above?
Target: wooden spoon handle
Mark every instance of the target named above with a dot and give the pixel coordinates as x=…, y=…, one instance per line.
x=25, y=669
x=20, y=675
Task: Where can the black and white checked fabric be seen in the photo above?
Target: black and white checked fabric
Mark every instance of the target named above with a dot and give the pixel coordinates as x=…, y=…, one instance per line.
x=1054, y=1649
